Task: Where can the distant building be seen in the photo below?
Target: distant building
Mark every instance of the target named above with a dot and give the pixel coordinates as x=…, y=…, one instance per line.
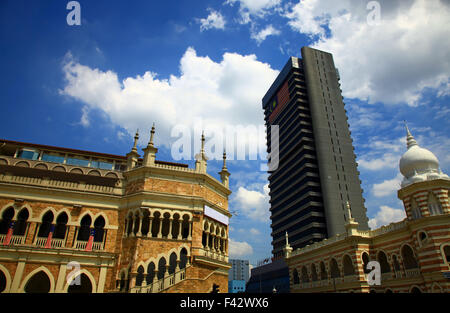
x=266, y=277
x=414, y=254
x=236, y=286
x=317, y=171
x=239, y=270
x=130, y=224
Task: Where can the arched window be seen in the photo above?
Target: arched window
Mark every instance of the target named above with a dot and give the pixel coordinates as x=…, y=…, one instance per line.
x=130, y=224
x=7, y=217
x=323, y=271
x=161, y=268
x=137, y=222
x=172, y=262
x=314, y=272
x=47, y=221
x=150, y=273
x=366, y=260
x=296, y=280
x=384, y=265
x=2, y=281
x=305, y=276
x=39, y=283
x=396, y=264
x=85, y=285
x=415, y=210
x=447, y=253
x=415, y=290
x=165, y=225
x=140, y=276
x=99, y=225
x=61, y=226
x=21, y=225
x=175, y=225
x=122, y=281
x=85, y=228
x=348, y=266
x=434, y=205
x=409, y=261
x=334, y=269
x=183, y=258
x=185, y=227
x=145, y=223
x=155, y=224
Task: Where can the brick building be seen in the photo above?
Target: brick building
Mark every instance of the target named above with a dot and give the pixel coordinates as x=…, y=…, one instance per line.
x=153, y=226
x=413, y=254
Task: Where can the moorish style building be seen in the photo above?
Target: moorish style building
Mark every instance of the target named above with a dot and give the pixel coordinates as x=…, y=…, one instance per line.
x=414, y=254
x=80, y=221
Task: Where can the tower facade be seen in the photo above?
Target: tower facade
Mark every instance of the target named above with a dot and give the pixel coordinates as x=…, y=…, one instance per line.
x=316, y=172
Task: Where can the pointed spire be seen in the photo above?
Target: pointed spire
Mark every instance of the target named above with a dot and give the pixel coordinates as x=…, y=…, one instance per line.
x=203, y=144
x=349, y=211
x=136, y=137
x=287, y=239
x=152, y=134
x=224, y=167
x=150, y=150
x=410, y=141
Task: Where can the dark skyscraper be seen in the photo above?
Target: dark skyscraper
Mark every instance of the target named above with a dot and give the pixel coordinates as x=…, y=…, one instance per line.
x=317, y=172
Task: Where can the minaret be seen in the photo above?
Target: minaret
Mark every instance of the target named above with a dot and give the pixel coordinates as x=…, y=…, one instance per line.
x=133, y=156
x=287, y=248
x=150, y=150
x=351, y=225
x=201, y=163
x=224, y=174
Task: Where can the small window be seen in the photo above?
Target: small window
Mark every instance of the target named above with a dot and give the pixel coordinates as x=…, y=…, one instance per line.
x=28, y=154
x=79, y=161
x=52, y=158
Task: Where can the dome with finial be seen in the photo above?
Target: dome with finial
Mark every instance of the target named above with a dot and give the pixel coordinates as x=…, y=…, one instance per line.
x=418, y=164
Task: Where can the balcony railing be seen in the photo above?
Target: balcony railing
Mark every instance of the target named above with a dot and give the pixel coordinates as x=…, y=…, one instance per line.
x=214, y=254
x=81, y=245
x=15, y=240
x=161, y=284
x=56, y=243
x=412, y=272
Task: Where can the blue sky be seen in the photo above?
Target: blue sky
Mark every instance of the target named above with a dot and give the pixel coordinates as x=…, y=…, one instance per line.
x=130, y=64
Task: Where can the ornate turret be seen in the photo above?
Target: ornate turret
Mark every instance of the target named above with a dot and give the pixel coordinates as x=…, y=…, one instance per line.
x=133, y=156
x=418, y=164
x=224, y=174
x=201, y=163
x=150, y=150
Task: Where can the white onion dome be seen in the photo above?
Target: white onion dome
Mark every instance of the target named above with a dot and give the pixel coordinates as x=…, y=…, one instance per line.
x=418, y=164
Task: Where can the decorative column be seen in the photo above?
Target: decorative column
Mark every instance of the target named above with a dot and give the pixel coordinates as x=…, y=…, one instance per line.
x=125, y=234
x=207, y=240
x=141, y=217
x=169, y=235
x=189, y=230
x=133, y=219
x=150, y=225
x=160, y=227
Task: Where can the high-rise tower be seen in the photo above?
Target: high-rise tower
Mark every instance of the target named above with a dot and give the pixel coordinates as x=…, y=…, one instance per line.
x=317, y=173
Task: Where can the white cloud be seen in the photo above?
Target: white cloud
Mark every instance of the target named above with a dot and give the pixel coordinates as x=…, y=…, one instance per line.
x=392, y=62
x=214, y=20
x=387, y=160
x=248, y=8
x=264, y=33
x=385, y=216
x=221, y=93
x=238, y=249
x=387, y=187
x=254, y=231
x=253, y=204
